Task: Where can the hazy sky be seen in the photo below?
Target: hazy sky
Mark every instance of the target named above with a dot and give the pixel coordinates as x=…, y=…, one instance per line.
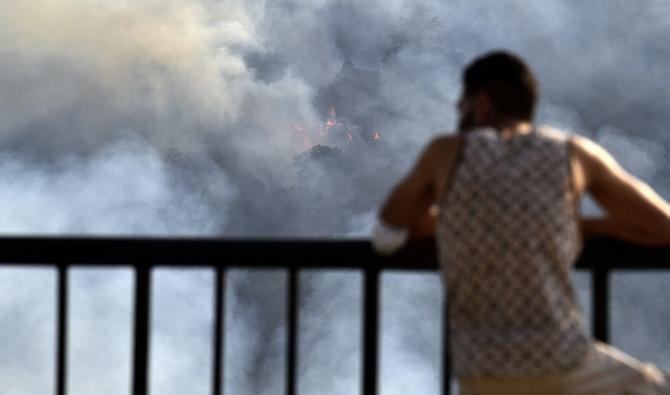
x=173, y=117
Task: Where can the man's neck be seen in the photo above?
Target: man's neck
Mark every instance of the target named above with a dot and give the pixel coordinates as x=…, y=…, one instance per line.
x=513, y=128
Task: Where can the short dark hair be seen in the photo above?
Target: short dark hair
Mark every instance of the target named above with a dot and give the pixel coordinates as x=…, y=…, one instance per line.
x=507, y=80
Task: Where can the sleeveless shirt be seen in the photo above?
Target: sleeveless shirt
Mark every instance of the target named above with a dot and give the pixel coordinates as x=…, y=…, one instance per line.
x=508, y=236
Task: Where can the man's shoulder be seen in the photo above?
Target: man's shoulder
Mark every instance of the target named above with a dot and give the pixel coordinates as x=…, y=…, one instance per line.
x=556, y=135
x=585, y=148
x=579, y=145
x=591, y=159
x=445, y=143
x=442, y=151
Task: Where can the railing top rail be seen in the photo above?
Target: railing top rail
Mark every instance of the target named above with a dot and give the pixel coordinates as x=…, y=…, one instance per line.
x=279, y=253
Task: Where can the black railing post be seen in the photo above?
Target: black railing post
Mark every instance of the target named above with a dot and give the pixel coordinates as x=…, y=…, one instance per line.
x=141, y=331
x=601, y=303
x=370, y=330
x=446, y=349
x=61, y=332
x=292, y=332
x=219, y=325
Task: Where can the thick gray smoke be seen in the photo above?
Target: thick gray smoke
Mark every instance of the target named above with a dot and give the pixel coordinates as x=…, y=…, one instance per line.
x=204, y=117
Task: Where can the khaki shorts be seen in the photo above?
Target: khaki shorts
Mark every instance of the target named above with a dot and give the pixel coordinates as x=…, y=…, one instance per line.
x=605, y=371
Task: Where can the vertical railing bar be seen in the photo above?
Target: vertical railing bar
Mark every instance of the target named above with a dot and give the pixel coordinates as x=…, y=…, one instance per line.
x=446, y=349
x=141, y=328
x=601, y=303
x=219, y=327
x=370, y=330
x=61, y=340
x=292, y=332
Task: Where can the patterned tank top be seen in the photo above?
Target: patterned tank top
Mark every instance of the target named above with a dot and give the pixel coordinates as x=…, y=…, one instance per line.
x=508, y=236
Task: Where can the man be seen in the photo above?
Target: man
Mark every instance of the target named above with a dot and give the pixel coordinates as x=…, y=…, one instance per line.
x=502, y=198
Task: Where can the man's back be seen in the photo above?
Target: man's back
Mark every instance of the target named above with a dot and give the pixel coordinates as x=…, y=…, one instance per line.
x=508, y=235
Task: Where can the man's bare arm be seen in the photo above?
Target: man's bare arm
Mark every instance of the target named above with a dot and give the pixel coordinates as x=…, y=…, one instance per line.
x=634, y=212
x=411, y=205
x=410, y=200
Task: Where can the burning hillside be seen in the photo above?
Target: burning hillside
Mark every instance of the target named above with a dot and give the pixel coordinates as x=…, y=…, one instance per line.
x=351, y=107
x=334, y=132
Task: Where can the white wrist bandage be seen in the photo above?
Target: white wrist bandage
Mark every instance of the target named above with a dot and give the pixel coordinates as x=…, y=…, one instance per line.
x=387, y=239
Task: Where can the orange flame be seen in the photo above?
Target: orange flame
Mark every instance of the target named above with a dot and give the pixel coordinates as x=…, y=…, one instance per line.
x=346, y=130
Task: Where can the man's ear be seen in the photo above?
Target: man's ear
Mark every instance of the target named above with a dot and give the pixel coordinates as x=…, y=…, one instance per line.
x=483, y=102
x=484, y=106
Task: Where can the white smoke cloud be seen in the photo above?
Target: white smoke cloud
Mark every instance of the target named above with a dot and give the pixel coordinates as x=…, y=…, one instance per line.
x=27, y=331
x=100, y=335
x=125, y=188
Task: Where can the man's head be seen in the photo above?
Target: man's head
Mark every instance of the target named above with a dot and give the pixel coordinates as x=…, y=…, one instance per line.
x=498, y=88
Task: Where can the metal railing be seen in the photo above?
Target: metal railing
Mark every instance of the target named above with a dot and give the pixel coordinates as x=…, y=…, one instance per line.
x=600, y=257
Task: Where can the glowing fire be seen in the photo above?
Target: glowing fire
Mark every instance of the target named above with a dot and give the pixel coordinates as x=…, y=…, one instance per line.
x=331, y=131
x=331, y=121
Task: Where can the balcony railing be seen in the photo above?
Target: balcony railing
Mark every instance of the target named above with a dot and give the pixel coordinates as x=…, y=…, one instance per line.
x=600, y=257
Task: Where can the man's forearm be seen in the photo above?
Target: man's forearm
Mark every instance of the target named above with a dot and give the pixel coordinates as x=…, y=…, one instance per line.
x=609, y=227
